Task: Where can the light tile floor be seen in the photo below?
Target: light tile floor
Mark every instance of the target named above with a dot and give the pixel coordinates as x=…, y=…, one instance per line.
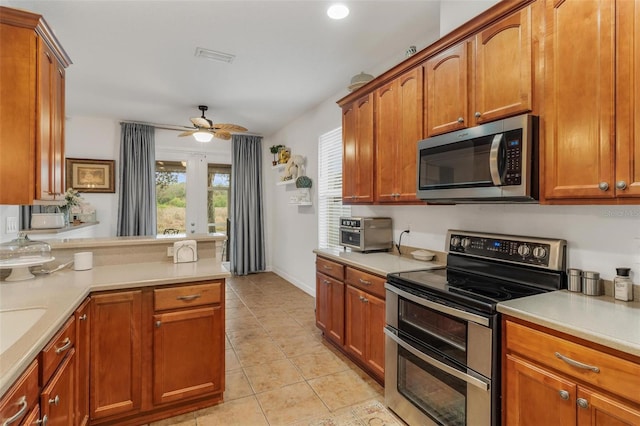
x=279, y=371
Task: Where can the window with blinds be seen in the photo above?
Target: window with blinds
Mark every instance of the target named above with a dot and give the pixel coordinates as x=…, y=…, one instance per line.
x=330, y=206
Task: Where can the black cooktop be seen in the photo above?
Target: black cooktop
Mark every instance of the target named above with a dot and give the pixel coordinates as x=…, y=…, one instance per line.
x=476, y=284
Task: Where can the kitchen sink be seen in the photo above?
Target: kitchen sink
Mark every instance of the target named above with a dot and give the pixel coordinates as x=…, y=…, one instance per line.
x=14, y=323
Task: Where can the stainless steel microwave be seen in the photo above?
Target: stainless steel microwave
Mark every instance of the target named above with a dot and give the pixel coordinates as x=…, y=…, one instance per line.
x=495, y=162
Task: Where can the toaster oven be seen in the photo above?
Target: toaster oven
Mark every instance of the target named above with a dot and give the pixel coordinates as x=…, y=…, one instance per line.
x=366, y=234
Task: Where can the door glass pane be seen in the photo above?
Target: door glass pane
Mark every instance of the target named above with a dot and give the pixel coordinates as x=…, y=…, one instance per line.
x=438, y=394
x=219, y=180
x=171, y=197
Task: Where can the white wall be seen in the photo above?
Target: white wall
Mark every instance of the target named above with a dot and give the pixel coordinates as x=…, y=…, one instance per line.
x=454, y=13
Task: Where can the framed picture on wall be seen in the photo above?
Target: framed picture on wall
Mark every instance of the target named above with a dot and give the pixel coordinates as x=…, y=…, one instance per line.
x=91, y=175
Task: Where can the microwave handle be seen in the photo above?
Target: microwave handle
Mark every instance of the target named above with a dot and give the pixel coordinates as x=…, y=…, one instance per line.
x=437, y=364
x=494, y=159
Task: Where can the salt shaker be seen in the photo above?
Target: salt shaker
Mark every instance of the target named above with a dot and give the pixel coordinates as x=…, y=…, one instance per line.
x=623, y=287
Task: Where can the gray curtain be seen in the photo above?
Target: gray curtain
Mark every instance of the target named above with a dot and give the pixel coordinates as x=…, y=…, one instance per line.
x=137, y=186
x=247, y=224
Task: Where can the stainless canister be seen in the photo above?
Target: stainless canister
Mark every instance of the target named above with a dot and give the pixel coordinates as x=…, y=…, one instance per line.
x=591, y=284
x=575, y=280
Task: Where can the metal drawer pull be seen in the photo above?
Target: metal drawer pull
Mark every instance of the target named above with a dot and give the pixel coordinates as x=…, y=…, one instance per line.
x=576, y=363
x=327, y=267
x=188, y=298
x=22, y=402
x=44, y=421
x=66, y=344
x=326, y=282
x=582, y=403
x=55, y=401
x=437, y=364
x=564, y=394
x=83, y=317
x=365, y=282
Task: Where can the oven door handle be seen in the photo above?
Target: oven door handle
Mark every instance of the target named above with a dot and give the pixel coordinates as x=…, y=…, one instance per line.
x=467, y=316
x=437, y=364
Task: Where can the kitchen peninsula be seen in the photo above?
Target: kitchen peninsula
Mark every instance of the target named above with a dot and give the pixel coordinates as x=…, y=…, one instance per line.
x=138, y=313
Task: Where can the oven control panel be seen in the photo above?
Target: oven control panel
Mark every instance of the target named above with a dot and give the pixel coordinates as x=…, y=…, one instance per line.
x=541, y=252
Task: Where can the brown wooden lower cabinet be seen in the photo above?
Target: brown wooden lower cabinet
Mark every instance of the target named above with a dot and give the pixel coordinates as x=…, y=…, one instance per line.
x=350, y=311
x=82, y=317
x=540, y=388
x=156, y=352
x=57, y=397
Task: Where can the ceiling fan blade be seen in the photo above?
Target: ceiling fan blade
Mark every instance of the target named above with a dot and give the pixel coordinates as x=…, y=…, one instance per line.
x=229, y=127
x=222, y=134
x=201, y=122
x=189, y=133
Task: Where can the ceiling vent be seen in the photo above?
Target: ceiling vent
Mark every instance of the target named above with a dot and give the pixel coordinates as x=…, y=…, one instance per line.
x=201, y=52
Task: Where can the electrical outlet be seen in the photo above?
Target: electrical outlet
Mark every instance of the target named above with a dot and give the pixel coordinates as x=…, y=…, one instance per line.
x=408, y=227
x=11, y=225
x=170, y=251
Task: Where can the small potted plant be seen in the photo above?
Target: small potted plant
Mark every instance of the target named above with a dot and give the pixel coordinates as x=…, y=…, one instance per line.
x=274, y=150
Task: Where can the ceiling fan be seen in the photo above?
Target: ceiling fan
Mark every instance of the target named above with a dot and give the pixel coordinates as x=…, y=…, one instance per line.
x=205, y=130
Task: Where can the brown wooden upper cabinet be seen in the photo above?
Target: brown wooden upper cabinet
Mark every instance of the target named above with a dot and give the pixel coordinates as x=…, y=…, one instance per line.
x=592, y=148
x=481, y=79
x=357, y=158
x=32, y=75
x=398, y=112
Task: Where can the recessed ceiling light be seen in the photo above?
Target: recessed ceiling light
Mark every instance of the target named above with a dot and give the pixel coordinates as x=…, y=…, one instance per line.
x=338, y=11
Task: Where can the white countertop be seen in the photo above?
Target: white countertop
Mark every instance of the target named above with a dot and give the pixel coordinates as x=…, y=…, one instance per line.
x=64, y=243
x=376, y=263
x=62, y=292
x=599, y=319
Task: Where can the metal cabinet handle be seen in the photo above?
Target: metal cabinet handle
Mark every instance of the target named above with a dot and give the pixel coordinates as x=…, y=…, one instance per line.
x=327, y=282
x=577, y=364
x=478, y=114
x=158, y=324
x=22, y=402
x=365, y=282
x=582, y=403
x=66, y=345
x=44, y=421
x=460, y=120
x=603, y=186
x=55, y=401
x=327, y=267
x=365, y=300
x=621, y=184
x=189, y=298
x=83, y=317
x=564, y=394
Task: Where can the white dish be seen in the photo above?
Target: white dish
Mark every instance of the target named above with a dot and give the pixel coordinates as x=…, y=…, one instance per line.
x=422, y=255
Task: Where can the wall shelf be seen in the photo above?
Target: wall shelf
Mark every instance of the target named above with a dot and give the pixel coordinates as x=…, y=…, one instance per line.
x=286, y=182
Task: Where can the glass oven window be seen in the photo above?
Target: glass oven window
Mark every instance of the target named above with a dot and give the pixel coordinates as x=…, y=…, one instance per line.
x=438, y=394
x=440, y=331
x=457, y=164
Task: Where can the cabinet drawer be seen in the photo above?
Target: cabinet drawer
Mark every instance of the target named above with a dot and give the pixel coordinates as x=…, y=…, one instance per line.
x=21, y=398
x=327, y=267
x=615, y=374
x=187, y=296
x=370, y=283
x=57, y=349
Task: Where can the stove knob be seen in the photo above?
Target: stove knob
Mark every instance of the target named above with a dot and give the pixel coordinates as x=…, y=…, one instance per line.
x=524, y=250
x=455, y=241
x=466, y=242
x=539, y=252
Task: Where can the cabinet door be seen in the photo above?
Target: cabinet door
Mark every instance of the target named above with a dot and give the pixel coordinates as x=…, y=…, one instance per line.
x=534, y=396
x=504, y=66
x=116, y=357
x=628, y=99
x=330, y=307
x=579, y=99
x=595, y=409
x=375, y=334
x=355, y=324
x=357, y=160
x=188, y=354
x=83, y=318
x=57, y=397
x=447, y=90
x=399, y=111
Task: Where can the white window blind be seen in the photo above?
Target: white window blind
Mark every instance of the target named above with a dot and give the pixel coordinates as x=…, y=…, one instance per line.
x=330, y=206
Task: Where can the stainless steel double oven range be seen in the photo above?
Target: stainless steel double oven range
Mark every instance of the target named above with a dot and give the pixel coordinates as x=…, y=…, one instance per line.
x=442, y=362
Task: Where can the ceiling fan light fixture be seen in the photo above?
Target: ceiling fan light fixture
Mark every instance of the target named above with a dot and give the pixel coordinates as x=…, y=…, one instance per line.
x=338, y=11
x=201, y=136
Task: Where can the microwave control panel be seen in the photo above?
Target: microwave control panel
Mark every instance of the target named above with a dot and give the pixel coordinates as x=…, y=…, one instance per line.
x=512, y=250
x=513, y=157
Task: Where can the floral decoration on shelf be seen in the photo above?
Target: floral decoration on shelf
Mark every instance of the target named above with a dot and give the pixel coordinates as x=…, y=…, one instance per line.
x=72, y=198
x=274, y=150
x=76, y=206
